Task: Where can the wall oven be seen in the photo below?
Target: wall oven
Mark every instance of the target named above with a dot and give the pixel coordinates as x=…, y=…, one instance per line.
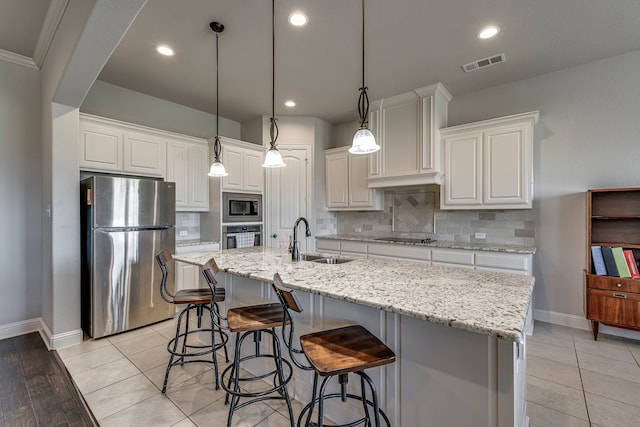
x=241, y=207
x=241, y=236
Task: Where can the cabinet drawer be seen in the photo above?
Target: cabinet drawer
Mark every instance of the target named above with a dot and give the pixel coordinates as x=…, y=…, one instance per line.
x=328, y=245
x=515, y=262
x=420, y=253
x=353, y=247
x=616, y=308
x=613, y=283
x=452, y=257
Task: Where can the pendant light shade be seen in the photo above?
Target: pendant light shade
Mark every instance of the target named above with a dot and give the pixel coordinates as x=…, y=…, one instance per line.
x=363, y=141
x=273, y=158
x=217, y=168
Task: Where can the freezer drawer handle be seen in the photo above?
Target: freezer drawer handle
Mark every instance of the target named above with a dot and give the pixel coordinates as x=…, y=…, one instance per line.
x=616, y=295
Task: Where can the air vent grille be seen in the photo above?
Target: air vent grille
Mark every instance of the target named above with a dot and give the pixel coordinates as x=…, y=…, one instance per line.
x=484, y=62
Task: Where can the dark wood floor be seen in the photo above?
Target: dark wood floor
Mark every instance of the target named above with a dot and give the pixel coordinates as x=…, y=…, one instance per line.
x=35, y=387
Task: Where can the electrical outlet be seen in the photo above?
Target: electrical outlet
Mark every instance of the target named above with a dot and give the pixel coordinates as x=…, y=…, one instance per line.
x=184, y=233
x=358, y=229
x=481, y=235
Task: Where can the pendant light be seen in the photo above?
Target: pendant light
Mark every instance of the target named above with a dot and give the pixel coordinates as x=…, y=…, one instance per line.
x=272, y=158
x=217, y=168
x=363, y=141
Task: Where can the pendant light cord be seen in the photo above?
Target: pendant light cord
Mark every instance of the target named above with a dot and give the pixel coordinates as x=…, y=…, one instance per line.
x=216, y=143
x=273, y=128
x=363, y=100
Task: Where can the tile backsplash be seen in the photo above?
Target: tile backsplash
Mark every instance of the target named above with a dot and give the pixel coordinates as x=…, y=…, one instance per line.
x=410, y=212
x=189, y=223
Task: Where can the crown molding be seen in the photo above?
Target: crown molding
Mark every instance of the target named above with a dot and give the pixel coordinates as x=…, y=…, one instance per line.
x=17, y=59
x=49, y=27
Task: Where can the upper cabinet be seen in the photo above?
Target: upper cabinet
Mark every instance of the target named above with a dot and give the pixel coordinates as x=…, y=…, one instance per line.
x=489, y=164
x=346, y=176
x=113, y=146
x=187, y=166
x=243, y=162
x=407, y=128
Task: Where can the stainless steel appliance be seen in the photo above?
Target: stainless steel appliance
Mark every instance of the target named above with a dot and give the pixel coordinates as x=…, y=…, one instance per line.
x=234, y=236
x=241, y=207
x=125, y=222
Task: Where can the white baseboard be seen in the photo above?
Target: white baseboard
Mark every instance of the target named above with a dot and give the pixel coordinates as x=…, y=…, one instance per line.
x=580, y=322
x=58, y=341
x=19, y=328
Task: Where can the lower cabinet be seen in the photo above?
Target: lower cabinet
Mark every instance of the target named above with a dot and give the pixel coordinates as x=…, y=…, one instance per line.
x=187, y=276
x=613, y=301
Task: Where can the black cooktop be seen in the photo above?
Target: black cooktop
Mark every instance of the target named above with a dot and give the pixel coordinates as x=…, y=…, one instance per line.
x=405, y=240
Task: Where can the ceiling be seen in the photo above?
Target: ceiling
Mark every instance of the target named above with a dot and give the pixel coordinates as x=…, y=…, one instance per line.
x=409, y=44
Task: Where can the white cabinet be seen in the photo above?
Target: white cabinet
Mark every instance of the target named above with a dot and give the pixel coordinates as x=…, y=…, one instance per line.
x=407, y=128
x=187, y=276
x=346, y=180
x=243, y=162
x=187, y=166
x=113, y=146
x=489, y=164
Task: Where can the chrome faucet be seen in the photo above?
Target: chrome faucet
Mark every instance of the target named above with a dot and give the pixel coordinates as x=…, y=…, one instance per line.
x=295, y=254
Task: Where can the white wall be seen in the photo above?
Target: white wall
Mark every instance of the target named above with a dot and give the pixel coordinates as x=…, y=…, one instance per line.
x=119, y=103
x=587, y=137
x=20, y=194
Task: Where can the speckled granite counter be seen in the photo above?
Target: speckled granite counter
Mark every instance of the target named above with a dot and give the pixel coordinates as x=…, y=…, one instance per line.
x=441, y=244
x=480, y=301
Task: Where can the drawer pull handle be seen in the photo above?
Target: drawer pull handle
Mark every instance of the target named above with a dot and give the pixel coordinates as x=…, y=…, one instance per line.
x=619, y=285
x=615, y=295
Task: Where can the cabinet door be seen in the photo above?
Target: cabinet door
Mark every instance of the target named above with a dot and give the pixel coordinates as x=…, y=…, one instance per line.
x=507, y=166
x=100, y=147
x=198, y=178
x=463, y=170
x=233, y=163
x=178, y=171
x=359, y=194
x=400, y=135
x=144, y=154
x=253, y=171
x=375, y=159
x=187, y=276
x=337, y=177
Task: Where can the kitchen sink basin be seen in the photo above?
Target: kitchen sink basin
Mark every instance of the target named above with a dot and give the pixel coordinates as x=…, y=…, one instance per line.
x=323, y=259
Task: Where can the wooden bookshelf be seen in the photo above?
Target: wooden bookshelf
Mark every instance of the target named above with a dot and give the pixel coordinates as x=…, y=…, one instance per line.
x=613, y=219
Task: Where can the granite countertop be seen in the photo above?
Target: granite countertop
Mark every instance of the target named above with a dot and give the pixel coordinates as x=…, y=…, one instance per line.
x=484, y=302
x=441, y=244
x=181, y=243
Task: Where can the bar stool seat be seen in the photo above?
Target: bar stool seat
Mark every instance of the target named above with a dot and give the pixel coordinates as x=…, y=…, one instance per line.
x=198, y=296
x=255, y=321
x=345, y=350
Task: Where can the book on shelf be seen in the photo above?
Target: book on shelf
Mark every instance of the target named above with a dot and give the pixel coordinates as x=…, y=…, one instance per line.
x=621, y=262
x=609, y=261
x=631, y=263
x=598, y=261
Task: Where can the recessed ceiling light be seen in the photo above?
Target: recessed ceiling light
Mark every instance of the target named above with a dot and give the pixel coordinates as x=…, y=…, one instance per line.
x=298, y=19
x=290, y=103
x=488, y=32
x=165, y=50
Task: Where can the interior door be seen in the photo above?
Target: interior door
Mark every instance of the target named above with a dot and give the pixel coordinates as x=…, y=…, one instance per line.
x=288, y=192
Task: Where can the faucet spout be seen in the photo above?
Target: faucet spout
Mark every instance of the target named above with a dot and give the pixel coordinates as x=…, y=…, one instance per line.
x=295, y=253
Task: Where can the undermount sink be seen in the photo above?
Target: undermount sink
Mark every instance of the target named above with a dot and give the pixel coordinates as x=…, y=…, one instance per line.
x=323, y=259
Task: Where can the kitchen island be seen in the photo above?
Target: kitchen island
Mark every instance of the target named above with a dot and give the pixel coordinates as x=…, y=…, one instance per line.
x=458, y=334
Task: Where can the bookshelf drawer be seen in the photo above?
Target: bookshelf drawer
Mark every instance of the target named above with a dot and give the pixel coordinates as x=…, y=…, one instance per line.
x=613, y=283
x=616, y=308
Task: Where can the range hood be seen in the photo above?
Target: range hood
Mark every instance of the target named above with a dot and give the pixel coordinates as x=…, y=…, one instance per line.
x=405, y=180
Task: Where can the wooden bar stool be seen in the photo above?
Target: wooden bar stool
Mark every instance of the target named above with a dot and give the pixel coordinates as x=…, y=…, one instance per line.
x=181, y=349
x=255, y=321
x=336, y=353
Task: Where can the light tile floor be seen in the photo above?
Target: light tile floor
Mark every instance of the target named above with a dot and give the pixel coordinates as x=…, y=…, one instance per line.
x=572, y=381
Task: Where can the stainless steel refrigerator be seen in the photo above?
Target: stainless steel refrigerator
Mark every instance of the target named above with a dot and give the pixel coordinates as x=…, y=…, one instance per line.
x=125, y=222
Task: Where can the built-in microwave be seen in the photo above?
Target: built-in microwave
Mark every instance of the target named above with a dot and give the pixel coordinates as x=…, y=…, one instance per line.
x=241, y=207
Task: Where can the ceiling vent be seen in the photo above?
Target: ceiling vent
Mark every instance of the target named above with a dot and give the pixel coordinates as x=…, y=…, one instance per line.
x=484, y=62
